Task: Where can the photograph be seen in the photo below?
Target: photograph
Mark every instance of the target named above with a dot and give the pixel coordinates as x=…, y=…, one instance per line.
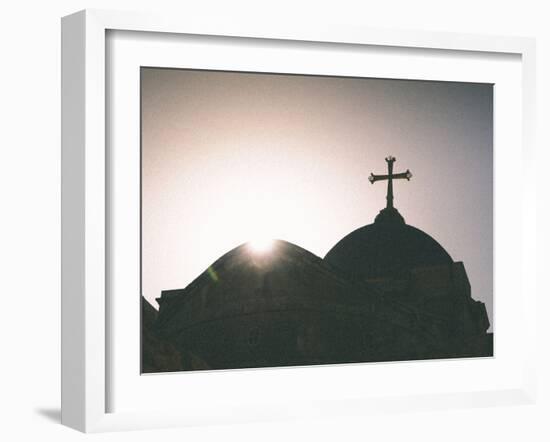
x=269, y=221
x=291, y=219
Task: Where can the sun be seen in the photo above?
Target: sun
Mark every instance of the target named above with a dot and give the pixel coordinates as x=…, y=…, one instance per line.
x=261, y=245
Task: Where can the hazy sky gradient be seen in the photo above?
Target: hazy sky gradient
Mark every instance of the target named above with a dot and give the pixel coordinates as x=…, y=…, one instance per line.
x=228, y=157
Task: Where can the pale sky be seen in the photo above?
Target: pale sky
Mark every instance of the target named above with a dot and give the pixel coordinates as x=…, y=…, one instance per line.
x=232, y=157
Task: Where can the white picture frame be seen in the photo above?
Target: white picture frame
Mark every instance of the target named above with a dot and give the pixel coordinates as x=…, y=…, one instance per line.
x=86, y=314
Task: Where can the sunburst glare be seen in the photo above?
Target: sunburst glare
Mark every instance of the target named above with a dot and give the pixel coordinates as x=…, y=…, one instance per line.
x=261, y=245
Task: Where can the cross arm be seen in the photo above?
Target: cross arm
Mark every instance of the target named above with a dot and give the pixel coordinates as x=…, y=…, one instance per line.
x=373, y=178
x=403, y=175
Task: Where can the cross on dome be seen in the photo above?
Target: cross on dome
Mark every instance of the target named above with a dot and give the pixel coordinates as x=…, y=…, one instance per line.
x=390, y=177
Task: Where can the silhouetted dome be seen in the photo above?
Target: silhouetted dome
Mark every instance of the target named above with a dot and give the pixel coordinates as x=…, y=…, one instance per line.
x=388, y=248
x=242, y=266
x=251, y=308
x=244, y=272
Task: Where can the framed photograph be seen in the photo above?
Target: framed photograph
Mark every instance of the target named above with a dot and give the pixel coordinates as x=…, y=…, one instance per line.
x=275, y=222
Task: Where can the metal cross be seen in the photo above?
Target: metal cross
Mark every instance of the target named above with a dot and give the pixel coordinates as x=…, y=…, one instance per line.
x=390, y=177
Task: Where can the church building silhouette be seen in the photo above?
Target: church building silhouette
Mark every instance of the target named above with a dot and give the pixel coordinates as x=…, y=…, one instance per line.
x=386, y=292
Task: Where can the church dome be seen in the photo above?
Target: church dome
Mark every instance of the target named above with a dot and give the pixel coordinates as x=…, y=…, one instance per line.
x=245, y=275
x=388, y=248
x=283, y=306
